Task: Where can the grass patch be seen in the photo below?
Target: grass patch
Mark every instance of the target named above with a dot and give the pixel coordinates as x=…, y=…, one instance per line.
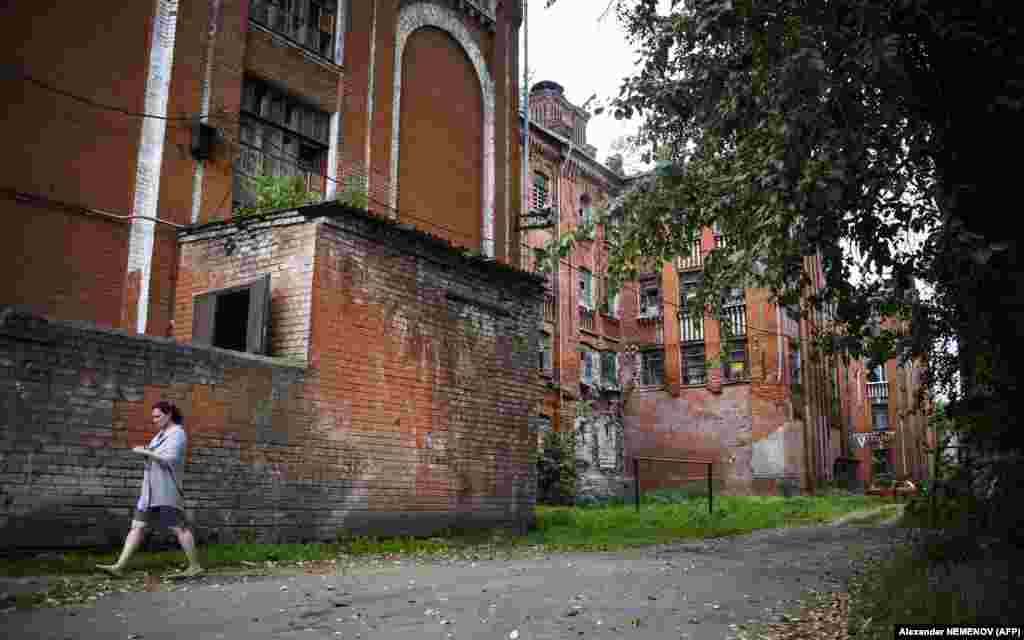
x=664, y=516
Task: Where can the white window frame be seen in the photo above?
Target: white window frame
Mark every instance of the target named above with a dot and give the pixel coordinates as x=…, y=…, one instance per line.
x=585, y=283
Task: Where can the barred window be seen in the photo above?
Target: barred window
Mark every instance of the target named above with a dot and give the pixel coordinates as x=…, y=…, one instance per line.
x=545, y=352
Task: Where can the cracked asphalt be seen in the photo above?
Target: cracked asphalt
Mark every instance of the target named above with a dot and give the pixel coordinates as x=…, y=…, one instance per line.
x=692, y=590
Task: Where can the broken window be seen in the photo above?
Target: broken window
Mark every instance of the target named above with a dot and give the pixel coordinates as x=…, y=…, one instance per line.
x=588, y=365
x=609, y=368
x=236, y=318
x=691, y=325
x=308, y=23
x=649, y=297
x=586, y=286
x=279, y=136
x=652, y=371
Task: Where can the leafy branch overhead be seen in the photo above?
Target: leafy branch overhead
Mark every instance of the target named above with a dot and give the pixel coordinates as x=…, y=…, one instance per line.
x=842, y=131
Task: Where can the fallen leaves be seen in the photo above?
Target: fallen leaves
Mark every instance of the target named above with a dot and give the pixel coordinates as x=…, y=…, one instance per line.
x=826, y=620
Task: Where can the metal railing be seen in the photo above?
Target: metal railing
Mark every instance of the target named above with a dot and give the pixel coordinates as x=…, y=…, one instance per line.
x=636, y=475
x=694, y=261
x=691, y=327
x=736, y=317
x=878, y=392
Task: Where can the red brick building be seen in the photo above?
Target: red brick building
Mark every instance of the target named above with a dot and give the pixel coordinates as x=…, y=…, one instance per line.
x=297, y=335
x=160, y=113
x=773, y=413
x=581, y=332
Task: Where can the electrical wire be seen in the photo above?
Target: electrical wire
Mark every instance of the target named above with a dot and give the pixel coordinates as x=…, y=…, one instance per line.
x=93, y=103
x=401, y=213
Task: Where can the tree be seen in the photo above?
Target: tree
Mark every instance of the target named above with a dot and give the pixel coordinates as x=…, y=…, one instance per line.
x=850, y=132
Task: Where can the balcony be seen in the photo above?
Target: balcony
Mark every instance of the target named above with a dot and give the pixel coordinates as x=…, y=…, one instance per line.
x=586, y=319
x=549, y=307
x=878, y=392
x=694, y=261
x=691, y=327
x=735, y=317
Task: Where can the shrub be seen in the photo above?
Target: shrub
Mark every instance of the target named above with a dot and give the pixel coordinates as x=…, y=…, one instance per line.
x=556, y=469
x=277, y=192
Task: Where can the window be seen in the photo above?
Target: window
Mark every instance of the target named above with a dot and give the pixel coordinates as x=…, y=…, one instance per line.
x=539, y=200
x=652, y=371
x=610, y=304
x=649, y=297
x=309, y=23
x=794, y=363
x=588, y=365
x=691, y=325
x=586, y=210
x=734, y=336
x=236, y=318
x=545, y=352
x=586, y=289
x=880, y=463
x=876, y=373
x=609, y=369
x=279, y=136
x=880, y=417
x=735, y=365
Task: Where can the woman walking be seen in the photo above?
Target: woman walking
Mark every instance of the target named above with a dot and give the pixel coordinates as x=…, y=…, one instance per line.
x=160, y=502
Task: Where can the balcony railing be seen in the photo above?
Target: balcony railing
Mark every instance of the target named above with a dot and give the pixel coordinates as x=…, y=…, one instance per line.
x=694, y=261
x=721, y=241
x=586, y=319
x=691, y=327
x=735, y=318
x=878, y=392
x=549, y=307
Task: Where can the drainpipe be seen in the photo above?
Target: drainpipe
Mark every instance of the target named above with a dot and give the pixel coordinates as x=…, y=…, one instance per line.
x=526, y=128
x=197, y=176
x=558, y=273
x=369, y=108
x=150, y=159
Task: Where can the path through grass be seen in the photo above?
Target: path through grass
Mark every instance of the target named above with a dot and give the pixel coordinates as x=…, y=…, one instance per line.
x=663, y=517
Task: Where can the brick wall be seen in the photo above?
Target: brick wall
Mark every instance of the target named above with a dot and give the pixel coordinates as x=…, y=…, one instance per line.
x=406, y=338
x=418, y=359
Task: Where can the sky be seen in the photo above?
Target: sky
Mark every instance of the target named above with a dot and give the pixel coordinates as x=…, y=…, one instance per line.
x=570, y=45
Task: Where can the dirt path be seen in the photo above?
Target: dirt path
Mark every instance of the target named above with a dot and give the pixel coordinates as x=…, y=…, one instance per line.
x=693, y=590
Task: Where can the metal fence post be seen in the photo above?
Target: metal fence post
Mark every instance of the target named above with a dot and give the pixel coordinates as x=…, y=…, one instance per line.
x=636, y=482
x=710, y=490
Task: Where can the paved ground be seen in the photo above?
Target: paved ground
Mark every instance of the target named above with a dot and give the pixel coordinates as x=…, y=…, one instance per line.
x=694, y=591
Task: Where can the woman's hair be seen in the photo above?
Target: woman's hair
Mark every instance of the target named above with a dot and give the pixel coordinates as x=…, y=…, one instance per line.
x=169, y=408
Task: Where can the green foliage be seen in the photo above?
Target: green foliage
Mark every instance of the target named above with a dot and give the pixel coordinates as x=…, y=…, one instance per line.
x=353, y=192
x=277, y=192
x=811, y=129
x=556, y=469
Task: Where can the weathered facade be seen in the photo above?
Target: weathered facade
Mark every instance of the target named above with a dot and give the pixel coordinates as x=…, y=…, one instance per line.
x=146, y=132
x=397, y=400
x=163, y=113
x=581, y=332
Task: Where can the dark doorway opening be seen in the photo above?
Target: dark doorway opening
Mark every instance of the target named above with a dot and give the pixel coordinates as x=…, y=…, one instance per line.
x=231, y=320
